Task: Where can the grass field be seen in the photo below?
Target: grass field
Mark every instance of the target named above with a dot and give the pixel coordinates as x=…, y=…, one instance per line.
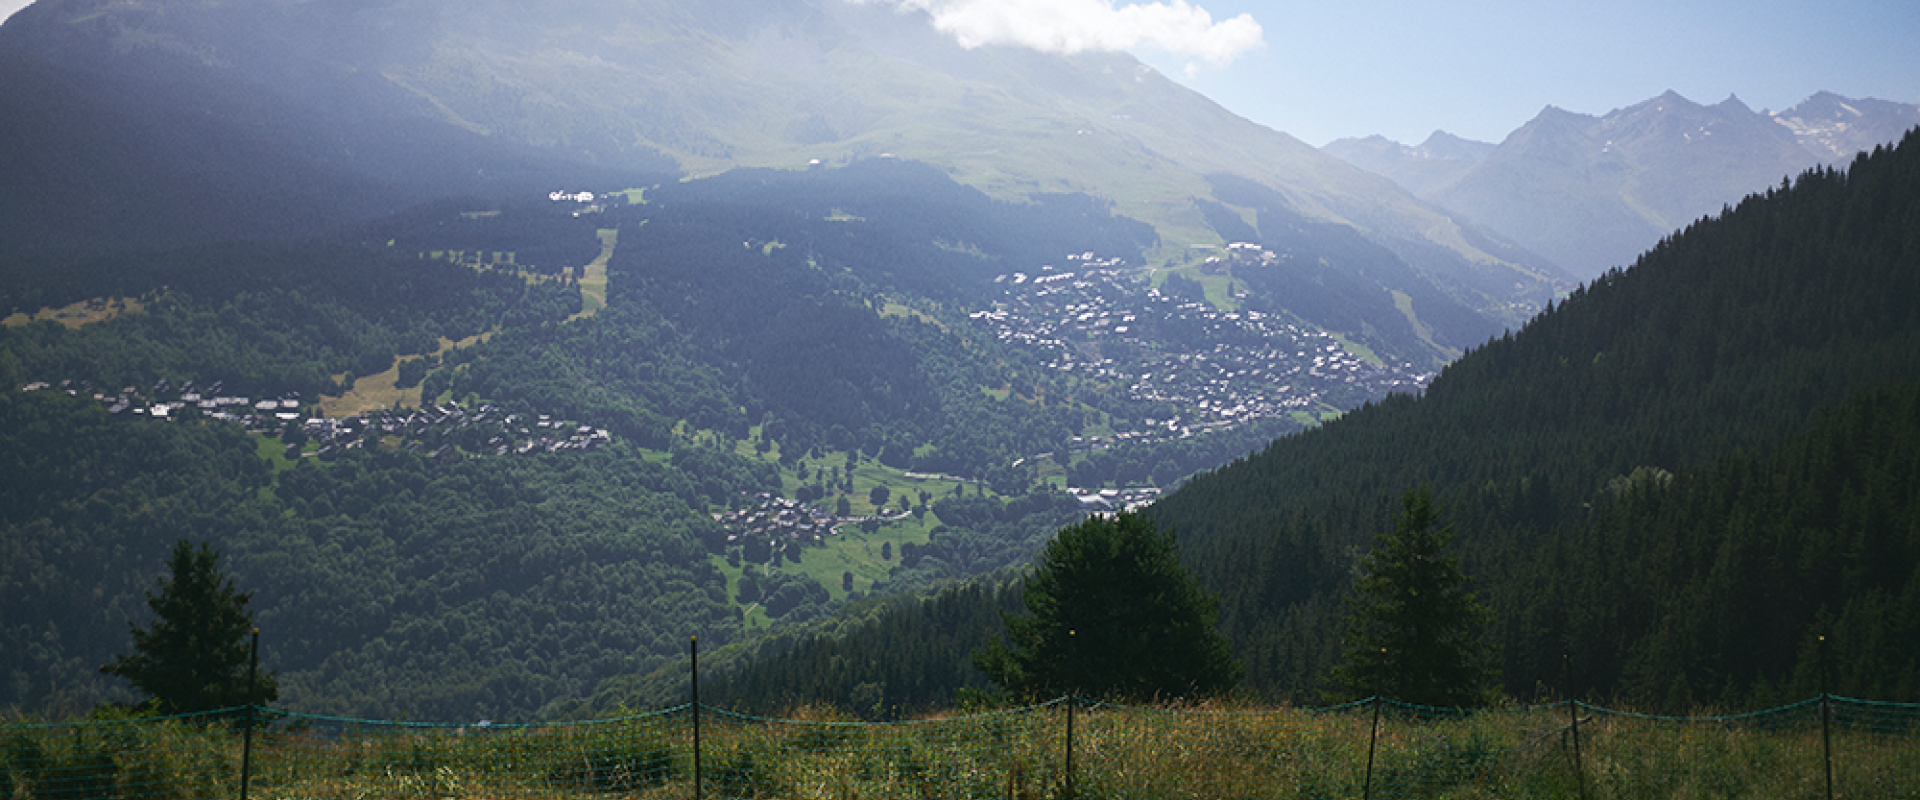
x=82, y=313
x=851, y=549
x=273, y=452
x=378, y=391
x=593, y=278
x=1362, y=351
x=1065, y=748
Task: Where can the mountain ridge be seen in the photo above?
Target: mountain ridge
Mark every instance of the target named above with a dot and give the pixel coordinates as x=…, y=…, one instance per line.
x=1591, y=192
x=491, y=101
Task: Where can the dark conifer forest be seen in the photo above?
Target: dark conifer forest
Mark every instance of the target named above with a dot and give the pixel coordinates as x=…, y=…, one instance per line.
x=418, y=564
x=1679, y=475
x=1751, y=370
x=1676, y=479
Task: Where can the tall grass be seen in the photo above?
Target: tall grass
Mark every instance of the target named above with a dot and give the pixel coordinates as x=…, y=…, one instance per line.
x=1206, y=751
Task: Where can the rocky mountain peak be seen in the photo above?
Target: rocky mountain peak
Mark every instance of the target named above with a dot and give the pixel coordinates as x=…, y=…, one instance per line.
x=1834, y=128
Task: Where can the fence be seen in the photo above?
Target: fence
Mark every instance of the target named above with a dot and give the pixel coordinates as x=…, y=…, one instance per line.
x=1068, y=747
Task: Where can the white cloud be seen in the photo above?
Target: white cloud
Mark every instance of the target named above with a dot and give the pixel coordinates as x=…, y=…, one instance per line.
x=1072, y=26
x=7, y=7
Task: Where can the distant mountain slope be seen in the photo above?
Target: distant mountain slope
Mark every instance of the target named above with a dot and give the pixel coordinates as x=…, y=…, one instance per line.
x=1834, y=128
x=381, y=105
x=1432, y=164
x=1725, y=339
x=1590, y=193
x=1679, y=476
x=166, y=124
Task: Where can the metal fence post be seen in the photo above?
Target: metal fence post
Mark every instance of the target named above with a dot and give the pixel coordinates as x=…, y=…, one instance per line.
x=1373, y=738
x=693, y=645
x=1573, y=717
x=1072, y=699
x=1071, y=702
x=246, y=730
x=1373, y=735
x=1826, y=716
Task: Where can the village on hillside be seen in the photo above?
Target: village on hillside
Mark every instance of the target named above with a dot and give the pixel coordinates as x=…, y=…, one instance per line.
x=435, y=430
x=1104, y=320
x=1101, y=320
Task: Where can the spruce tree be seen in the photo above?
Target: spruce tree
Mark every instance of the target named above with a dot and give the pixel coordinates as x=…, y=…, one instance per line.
x=1111, y=613
x=1413, y=628
x=195, y=656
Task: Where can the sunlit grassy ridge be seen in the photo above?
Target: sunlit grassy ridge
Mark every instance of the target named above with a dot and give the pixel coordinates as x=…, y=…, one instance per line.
x=785, y=89
x=74, y=315
x=593, y=276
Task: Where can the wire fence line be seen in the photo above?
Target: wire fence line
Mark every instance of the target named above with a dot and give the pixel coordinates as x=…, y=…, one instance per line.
x=1828, y=747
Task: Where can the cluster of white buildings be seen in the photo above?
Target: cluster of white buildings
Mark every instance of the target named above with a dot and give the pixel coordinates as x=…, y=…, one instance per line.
x=1110, y=501
x=1219, y=368
x=777, y=520
x=435, y=428
x=165, y=401
x=440, y=428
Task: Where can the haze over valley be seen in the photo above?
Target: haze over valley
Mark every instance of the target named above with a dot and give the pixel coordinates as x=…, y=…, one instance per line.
x=501, y=348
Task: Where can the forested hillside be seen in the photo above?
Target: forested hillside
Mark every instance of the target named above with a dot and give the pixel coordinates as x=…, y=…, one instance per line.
x=829, y=310
x=1729, y=419
x=260, y=318
x=1680, y=476
x=1703, y=361
x=385, y=583
x=764, y=334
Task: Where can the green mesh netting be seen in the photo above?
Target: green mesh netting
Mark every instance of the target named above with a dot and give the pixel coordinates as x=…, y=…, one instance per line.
x=299, y=755
x=188, y=756
x=1013, y=753
x=1093, y=750
x=1144, y=752
x=1772, y=753
x=1876, y=748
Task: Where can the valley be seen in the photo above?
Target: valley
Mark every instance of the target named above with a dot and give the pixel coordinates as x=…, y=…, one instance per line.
x=500, y=351
x=924, y=432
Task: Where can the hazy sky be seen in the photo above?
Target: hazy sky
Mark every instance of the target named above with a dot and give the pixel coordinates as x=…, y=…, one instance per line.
x=1403, y=68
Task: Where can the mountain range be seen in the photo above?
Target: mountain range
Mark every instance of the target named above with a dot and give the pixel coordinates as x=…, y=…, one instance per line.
x=285, y=116
x=505, y=348
x=1591, y=193
x=1672, y=487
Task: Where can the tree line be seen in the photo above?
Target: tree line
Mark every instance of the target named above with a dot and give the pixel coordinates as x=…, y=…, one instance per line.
x=260, y=318
x=1735, y=341
x=385, y=583
x=1677, y=480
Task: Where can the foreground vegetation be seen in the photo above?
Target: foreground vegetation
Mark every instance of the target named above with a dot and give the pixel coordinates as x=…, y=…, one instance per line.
x=1067, y=747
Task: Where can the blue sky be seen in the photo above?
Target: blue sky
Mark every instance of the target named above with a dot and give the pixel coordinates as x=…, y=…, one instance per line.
x=1403, y=68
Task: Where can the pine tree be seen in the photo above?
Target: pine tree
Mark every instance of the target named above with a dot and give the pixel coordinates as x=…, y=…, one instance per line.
x=1112, y=613
x=195, y=656
x=1413, y=626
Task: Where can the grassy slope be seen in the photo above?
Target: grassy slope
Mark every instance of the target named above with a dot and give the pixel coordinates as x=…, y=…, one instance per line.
x=1010, y=122
x=76, y=315
x=593, y=280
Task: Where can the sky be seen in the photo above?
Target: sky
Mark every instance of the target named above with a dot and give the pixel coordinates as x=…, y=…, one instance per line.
x=1404, y=68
